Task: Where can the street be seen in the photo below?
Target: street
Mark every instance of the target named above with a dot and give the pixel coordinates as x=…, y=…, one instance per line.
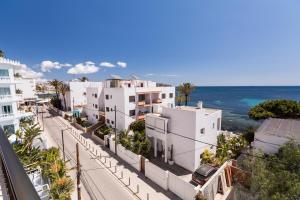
x=98, y=182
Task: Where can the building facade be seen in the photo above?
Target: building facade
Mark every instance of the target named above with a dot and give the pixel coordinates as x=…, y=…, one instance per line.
x=133, y=100
x=179, y=130
x=9, y=113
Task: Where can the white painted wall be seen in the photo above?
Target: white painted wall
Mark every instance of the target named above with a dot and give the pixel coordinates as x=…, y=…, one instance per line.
x=27, y=86
x=95, y=102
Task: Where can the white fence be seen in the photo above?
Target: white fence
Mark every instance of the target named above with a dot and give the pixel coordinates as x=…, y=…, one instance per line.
x=156, y=174
x=131, y=158
x=170, y=181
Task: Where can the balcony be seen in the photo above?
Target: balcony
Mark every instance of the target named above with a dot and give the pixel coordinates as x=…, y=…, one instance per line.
x=5, y=79
x=10, y=98
x=101, y=111
x=17, y=115
x=141, y=103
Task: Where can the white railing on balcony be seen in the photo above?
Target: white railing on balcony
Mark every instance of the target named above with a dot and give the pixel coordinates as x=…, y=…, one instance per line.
x=18, y=114
x=5, y=78
x=10, y=62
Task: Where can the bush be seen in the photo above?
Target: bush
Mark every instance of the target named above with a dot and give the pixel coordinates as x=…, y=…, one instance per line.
x=138, y=126
x=248, y=134
x=276, y=109
x=56, y=102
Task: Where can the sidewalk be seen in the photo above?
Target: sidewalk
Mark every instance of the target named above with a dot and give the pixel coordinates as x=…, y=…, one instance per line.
x=136, y=182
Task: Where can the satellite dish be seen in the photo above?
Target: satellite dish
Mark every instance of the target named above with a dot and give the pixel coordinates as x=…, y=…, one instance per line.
x=113, y=76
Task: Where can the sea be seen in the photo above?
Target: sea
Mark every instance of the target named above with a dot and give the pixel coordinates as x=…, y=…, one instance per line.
x=236, y=101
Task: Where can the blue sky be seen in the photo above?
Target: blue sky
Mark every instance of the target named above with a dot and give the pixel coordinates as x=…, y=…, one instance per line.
x=232, y=42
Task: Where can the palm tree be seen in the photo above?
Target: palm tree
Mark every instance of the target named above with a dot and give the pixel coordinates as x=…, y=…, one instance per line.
x=56, y=84
x=180, y=99
x=84, y=79
x=64, y=88
x=18, y=91
x=2, y=54
x=30, y=134
x=40, y=88
x=185, y=90
x=17, y=75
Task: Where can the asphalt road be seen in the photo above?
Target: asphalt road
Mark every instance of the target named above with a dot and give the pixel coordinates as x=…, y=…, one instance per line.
x=100, y=183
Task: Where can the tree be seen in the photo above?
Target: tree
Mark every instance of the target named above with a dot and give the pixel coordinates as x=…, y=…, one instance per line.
x=84, y=79
x=179, y=99
x=2, y=54
x=248, y=134
x=18, y=91
x=17, y=75
x=64, y=88
x=185, y=90
x=276, y=109
x=207, y=157
x=40, y=88
x=137, y=126
x=275, y=177
x=56, y=84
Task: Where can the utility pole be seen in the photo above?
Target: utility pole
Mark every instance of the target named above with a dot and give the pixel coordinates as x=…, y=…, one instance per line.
x=78, y=173
x=43, y=117
x=63, y=144
x=116, y=139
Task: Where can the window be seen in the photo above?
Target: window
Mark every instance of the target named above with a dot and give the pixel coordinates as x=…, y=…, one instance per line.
x=112, y=122
x=9, y=129
x=108, y=121
x=110, y=96
x=107, y=109
x=96, y=116
x=129, y=85
x=96, y=106
x=202, y=131
x=163, y=96
x=131, y=98
x=4, y=72
x=93, y=105
x=6, y=109
x=84, y=93
x=96, y=95
x=131, y=113
x=171, y=95
x=111, y=109
x=213, y=126
x=107, y=96
x=4, y=91
x=219, y=124
x=142, y=97
x=142, y=84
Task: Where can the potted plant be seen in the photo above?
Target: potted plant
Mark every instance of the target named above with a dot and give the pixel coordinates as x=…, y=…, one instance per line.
x=171, y=161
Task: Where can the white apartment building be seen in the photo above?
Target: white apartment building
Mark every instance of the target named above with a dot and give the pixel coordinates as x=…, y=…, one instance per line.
x=180, y=128
x=133, y=99
x=9, y=114
x=94, y=109
x=76, y=98
x=27, y=88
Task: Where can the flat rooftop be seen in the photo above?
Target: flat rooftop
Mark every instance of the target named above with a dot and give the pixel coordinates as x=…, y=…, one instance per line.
x=287, y=128
x=195, y=109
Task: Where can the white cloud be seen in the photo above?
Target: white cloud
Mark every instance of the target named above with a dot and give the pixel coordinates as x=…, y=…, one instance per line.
x=107, y=64
x=122, y=64
x=47, y=65
x=27, y=72
x=162, y=75
x=84, y=68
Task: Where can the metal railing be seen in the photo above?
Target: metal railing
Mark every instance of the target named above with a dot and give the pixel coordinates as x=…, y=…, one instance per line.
x=19, y=184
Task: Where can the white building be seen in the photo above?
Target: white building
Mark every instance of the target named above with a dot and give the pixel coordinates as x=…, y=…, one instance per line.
x=94, y=109
x=76, y=98
x=27, y=88
x=133, y=99
x=180, y=128
x=273, y=133
x=9, y=114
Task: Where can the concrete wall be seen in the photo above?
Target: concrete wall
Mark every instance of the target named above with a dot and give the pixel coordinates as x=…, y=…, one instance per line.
x=27, y=86
x=156, y=174
x=273, y=144
x=94, y=103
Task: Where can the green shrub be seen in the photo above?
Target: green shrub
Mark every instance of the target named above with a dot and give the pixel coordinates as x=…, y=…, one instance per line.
x=137, y=126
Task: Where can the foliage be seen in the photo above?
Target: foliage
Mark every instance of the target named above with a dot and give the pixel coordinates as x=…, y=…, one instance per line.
x=63, y=89
x=56, y=84
x=17, y=75
x=180, y=99
x=275, y=177
x=102, y=131
x=138, y=125
x=55, y=102
x=40, y=88
x=48, y=160
x=185, y=90
x=276, y=109
x=18, y=91
x=226, y=149
x=138, y=143
x=207, y=157
x=26, y=121
x=200, y=196
x=84, y=79
x=248, y=134
x=2, y=54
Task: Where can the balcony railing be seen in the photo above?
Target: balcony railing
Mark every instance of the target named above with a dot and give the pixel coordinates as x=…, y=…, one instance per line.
x=18, y=183
x=156, y=101
x=5, y=79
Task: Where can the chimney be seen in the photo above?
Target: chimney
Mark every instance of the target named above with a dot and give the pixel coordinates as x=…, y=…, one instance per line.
x=200, y=104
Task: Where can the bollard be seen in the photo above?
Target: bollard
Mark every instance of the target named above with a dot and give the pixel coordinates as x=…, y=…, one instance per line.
x=137, y=188
x=148, y=196
x=121, y=174
x=89, y=146
x=96, y=153
x=100, y=156
x=109, y=164
x=128, y=181
x=104, y=159
x=115, y=169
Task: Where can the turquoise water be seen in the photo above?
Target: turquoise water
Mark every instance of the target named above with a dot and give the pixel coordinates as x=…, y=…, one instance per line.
x=236, y=101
